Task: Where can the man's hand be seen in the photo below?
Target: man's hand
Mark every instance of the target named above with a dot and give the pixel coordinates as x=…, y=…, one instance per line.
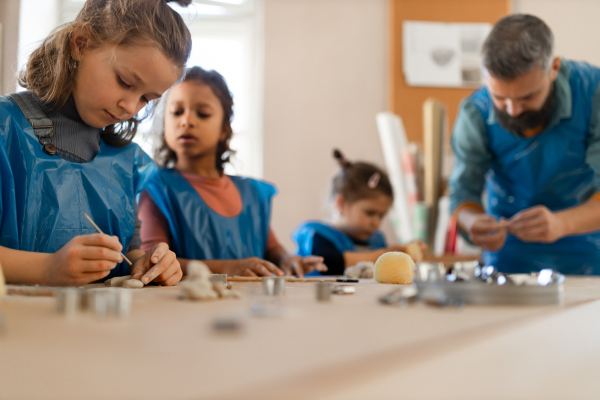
x=537, y=224
x=488, y=233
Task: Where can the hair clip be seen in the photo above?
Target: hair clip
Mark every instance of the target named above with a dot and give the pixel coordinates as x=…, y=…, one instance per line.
x=374, y=180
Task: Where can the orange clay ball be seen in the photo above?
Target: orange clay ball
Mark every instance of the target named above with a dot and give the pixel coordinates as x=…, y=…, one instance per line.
x=394, y=267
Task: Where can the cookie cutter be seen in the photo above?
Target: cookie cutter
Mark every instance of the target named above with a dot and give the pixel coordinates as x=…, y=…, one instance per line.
x=273, y=286
x=323, y=291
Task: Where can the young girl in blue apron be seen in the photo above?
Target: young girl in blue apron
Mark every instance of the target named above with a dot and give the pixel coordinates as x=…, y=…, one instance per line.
x=203, y=213
x=66, y=151
x=362, y=196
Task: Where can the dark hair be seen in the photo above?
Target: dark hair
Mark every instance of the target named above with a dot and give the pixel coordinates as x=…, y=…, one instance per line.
x=360, y=180
x=50, y=70
x=163, y=155
x=516, y=45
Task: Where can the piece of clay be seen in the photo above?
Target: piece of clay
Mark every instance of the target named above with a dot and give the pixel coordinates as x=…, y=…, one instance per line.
x=224, y=292
x=198, y=285
x=2, y=284
x=362, y=270
x=414, y=250
x=117, y=282
x=394, y=267
x=197, y=290
x=133, y=284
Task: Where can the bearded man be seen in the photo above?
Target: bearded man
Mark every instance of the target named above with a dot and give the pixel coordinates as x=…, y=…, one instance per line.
x=529, y=140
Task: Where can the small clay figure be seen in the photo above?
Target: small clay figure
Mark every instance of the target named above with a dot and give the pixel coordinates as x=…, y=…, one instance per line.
x=362, y=270
x=133, y=284
x=116, y=282
x=198, y=286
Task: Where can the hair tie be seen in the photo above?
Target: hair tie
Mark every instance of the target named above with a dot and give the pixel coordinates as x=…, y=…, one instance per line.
x=374, y=180
x=341, y=159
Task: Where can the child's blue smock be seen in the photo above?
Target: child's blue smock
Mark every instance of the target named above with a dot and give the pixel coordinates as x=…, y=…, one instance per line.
x=43, y=197
x=304, y=235
x=200, y=233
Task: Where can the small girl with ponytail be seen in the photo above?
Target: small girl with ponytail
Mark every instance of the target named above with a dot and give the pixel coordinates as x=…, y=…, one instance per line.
x=362, y=195
x=66, y=150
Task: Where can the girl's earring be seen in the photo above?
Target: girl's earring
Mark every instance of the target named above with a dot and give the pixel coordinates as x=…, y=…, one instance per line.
x=73, y=64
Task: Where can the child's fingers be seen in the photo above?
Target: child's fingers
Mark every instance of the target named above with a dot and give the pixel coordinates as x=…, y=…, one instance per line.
x=100, y=239
x=173, y=279
x=89, y=277
x=158, y=252
x=248, y=272
x=94, y=266
x=321, y=267
x=158, y=268
x=310, y=263
x=312, y=259
x=100, y=253
x=297, y=268
x=272, y=268
x=168, y=273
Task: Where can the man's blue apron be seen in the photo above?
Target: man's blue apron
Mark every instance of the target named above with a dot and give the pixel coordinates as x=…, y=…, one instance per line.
x=547, y=169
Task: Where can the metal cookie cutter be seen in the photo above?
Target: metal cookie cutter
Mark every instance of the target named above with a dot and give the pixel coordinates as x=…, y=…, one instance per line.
x=68, y=301
x=216, y=278
x=323, y=291
x=400, y=296
x=344, y=289
x=273, y=286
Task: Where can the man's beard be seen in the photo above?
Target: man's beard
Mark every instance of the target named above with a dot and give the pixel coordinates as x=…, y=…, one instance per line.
x=527, y=120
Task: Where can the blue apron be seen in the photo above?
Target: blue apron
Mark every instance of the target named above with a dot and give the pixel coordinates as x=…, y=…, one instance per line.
x=305, y=233
x=44, y=197
x=198, y=232
x=547, y=169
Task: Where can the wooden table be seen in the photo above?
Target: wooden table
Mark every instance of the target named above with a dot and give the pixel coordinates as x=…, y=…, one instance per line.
x=350, y=348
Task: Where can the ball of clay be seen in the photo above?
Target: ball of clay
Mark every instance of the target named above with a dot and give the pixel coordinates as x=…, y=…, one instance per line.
x=133, y=284
x=362, y=270
x=198, y=270
x=197, y=290
x=117, y=281
x=394, y=267
x=414, y=250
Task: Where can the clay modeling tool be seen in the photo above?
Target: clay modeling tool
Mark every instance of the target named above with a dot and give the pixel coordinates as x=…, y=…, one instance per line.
x=99, y=230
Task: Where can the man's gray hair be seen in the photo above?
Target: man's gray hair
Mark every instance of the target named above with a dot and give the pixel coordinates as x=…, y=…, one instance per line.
x=517, y=44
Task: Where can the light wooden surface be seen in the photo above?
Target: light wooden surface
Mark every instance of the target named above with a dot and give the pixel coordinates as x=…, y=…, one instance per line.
x=351, y=348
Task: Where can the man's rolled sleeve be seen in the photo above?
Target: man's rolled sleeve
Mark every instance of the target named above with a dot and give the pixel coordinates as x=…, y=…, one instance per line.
x=472, y=157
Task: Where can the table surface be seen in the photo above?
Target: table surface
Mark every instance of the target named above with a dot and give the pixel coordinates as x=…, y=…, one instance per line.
x=350, y=348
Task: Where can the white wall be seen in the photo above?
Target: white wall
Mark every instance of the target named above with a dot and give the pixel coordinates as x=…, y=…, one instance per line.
x=9, y=18
x=573, y=22
x=325, y=79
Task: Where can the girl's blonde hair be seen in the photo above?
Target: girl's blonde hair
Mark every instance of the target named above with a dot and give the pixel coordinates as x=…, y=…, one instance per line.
x=50, y=70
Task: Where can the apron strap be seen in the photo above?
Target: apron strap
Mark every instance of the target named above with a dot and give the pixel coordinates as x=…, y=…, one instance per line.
x=42, y=126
